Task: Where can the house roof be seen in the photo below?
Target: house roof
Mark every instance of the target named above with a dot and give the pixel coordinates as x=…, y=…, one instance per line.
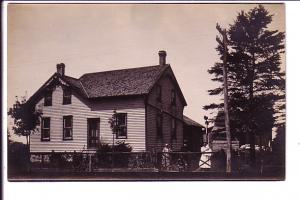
x=134, y=81
x=76, y=84
x=191, y=122
x=124, y=82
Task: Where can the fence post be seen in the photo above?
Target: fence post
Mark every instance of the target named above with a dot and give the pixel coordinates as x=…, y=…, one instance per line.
x=261, y=161
x=28, y=161
x=90, y=162
x=42, y=160
x=112, y=161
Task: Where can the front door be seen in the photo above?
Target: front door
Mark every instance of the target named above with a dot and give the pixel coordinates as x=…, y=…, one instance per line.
x=93, y=132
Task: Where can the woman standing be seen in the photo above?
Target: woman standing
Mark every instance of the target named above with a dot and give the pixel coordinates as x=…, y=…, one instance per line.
x=205, y=162
x=166, y=157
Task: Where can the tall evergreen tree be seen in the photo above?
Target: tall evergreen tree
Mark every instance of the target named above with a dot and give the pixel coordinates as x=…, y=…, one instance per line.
x=255, y=81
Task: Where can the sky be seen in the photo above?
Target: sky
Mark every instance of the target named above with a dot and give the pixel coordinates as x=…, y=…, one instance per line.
x=101, y=37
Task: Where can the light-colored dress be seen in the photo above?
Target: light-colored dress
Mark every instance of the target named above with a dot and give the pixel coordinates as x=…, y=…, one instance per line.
x=166, y=157
x=205, y=162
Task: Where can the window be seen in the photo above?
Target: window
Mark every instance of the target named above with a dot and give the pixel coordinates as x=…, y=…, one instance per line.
x=159, y=120
x=158, y=93
x=121, y=119
x=45, y=129
x=173, y=97
x=67, y=96
x=173, y=128
x=68, y=127
x=48, y=98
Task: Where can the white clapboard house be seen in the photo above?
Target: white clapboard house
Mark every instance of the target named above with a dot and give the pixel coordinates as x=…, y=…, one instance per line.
x=76, y=111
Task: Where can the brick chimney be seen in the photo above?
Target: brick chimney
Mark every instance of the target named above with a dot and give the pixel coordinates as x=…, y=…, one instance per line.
x=162, y=57
x=60, y=69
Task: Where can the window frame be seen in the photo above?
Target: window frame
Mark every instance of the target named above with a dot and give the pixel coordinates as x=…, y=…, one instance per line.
x=173, y=128
x=121, y=128
x=48, y=98
x=67, y=99
x=67, y=128
x=43, y=138
x=159, y=125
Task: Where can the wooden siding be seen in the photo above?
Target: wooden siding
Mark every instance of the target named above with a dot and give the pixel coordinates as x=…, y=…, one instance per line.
x=168, y=111
x=81, y=110
x=217, y=145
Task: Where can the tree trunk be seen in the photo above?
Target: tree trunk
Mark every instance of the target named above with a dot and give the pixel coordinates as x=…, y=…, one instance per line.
x=27, y=143
x=28, y=153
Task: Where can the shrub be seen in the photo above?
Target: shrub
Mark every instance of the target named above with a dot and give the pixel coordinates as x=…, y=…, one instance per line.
x=122, y=147
x=108, y=159
x=59, y=160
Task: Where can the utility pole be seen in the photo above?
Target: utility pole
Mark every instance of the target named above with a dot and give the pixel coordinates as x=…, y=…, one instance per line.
x=227, y=125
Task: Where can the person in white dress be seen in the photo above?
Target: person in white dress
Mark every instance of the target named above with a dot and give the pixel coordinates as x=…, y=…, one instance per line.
x=205, y=163
x=166, y=156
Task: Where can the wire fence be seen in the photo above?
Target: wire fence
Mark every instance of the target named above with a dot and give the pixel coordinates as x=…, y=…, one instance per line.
x=132, y=161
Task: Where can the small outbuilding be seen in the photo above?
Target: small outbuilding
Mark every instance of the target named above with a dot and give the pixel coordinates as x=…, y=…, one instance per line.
x=192, y=134
x=217, y=135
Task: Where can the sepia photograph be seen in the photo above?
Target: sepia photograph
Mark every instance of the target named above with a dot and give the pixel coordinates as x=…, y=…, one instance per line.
x=146, y=92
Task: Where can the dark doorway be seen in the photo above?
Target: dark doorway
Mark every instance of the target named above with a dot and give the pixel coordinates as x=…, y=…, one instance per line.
x=93, y=132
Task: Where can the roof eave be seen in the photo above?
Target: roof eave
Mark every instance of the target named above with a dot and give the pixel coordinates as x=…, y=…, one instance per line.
x=34, y=98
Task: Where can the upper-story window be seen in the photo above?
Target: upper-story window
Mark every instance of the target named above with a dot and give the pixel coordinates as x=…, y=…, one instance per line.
x=173, y=97
x=68, y=127
x=45, y=129
x=158, y=94
x=121, y=121
x=48, y=98
x=67, y=96
x=159, y=121
x=173, y=128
